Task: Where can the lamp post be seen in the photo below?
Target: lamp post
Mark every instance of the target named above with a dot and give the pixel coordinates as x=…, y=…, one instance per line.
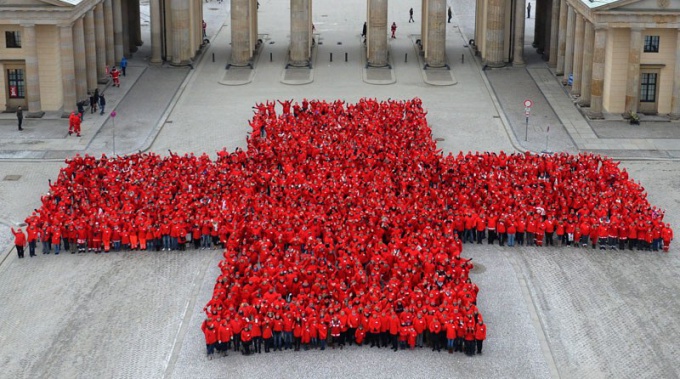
x=113, y=120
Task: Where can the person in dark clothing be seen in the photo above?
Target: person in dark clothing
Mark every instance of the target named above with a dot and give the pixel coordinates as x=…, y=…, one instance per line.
x=410, y=16
x=20, y=117
x=450, y=15
x=102, y=104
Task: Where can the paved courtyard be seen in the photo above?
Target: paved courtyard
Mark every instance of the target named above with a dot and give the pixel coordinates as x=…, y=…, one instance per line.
x=551, y=312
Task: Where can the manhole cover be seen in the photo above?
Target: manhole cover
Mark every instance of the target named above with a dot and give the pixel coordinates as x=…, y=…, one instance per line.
x=12, y=178
x=169, y=122
x=324, y=15
x=439, y=139
x=339, y=43
x=271, y=42
x=478, y=269
x=320, y=43
x=213, y=9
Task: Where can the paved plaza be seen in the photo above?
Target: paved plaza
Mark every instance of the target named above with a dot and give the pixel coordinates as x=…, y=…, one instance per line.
x=551, y=312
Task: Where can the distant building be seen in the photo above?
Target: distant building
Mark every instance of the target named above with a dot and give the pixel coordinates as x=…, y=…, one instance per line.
x=624, y=55
x=55, y=51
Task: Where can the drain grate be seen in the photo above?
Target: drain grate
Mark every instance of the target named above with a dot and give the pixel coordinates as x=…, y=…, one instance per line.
x=12, y=178
x=439, y=139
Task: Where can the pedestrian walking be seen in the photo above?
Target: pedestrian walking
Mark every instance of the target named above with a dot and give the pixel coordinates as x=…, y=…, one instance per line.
x=115, y=75
x=450, y=15
x=410, y=16
x=81, y=108
x=19, y=241
x=363, y=32
x=205, y=26
x=529, y=10
x=93, y=104
x=20, y=117
x=102, y=103
x=394, y=29
x=123, y=66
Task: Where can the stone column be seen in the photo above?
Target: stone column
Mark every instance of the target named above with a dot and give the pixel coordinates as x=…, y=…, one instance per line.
x=578, y=55
x=377, y=33
x=300, y=32
x=538, y=24
x=435, y=55
x=587, y=71
x=125, y=18
x=155, y=10
x=117, y=31
x=518, y=53
x=561, y=38
x=138, y=24
x=68, y=70
x=180, y=32
x=90, y=51
x=253, y=25
x=30, y=45
x=675, y=101
x=597, y=83
x=108, y=33
x=633, y=82
x=569, y=50
x=554, y=32
x=240, y=32
x=100, y=41
x=80, y=60
x=495, y=33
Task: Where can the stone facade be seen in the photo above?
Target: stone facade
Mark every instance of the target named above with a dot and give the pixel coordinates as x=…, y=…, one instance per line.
x=623, y=56
x=54, y=51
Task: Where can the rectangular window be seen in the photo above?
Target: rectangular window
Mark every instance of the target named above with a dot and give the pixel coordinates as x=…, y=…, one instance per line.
x=12, y=39
x=15, y=82
x=647, y=87
x=651, y=44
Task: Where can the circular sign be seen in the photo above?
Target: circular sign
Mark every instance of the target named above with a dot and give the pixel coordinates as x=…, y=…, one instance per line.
x=528, y=103
x=113, y=114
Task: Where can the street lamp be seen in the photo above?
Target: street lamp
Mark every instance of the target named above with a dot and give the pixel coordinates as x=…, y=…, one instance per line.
x=113, y=120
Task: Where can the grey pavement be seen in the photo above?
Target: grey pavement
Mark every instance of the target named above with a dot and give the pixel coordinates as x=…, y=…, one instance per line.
x=551, y=312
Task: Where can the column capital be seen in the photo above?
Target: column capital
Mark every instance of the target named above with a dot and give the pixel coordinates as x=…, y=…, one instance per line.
x=637, y=28
x=600, y=27
x=27, y=25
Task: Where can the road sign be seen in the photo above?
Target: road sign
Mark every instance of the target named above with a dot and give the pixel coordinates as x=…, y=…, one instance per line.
x=528, y=103
x=527, y=111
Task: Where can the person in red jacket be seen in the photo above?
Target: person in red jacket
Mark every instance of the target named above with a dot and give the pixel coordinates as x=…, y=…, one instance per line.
x=210, y=333
x=667, y=237
x=32, y=239
x=224, y=336
x=470, y=340
x=267, y=333
x=246, y=340
x=480, y=335
x=20, y=242
x=450, y=335
x=360, y=335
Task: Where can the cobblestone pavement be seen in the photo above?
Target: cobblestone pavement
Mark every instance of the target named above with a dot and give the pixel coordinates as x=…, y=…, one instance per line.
x=612, y=314
x=551, y=312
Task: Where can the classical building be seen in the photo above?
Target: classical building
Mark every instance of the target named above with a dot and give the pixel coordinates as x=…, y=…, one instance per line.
x=55, y=51
x=618, y=56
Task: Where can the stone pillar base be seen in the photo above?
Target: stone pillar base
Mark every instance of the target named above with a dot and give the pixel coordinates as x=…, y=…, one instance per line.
x=495, y=64
x=583, y=103
x=184, y=63
x=104, y=80
x=519, y=64
x=595, y=116
x=674, y=116
x=39, y=114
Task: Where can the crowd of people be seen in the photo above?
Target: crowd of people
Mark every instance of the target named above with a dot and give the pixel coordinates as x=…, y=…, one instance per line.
x=343, y=223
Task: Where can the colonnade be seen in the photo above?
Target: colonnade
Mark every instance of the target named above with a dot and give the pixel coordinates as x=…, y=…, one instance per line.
x=99, y=37
x=244, y=32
